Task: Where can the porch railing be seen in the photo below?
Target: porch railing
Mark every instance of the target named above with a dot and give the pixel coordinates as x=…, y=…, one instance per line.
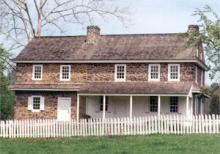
x=164, y=124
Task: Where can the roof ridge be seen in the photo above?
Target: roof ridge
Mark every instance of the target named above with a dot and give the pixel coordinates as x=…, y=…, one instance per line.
x=135, y=34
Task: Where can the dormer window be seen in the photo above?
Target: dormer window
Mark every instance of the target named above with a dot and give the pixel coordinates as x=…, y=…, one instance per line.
x=37, y=72
x=120, y=72
x=174, y=72
x=154, y=72
x=65, y=72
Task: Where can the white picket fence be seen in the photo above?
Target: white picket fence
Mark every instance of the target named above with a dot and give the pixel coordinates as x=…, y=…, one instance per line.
x=164, y=124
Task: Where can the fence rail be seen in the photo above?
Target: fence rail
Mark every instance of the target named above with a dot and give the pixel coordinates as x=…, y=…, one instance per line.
x=164, y=124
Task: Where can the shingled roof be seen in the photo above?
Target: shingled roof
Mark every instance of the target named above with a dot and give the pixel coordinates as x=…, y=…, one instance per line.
x=171, y=46
x=182, y=88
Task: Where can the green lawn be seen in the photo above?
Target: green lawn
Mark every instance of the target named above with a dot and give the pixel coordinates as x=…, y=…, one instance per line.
x=119, y=145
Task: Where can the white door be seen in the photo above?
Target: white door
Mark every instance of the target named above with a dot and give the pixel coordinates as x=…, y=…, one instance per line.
x=64, y=108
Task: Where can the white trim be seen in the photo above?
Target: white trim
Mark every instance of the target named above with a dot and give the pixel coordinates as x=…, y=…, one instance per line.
x=33, y=72
x=77, y=108
x=131, y=106
x=159, y=105
x=169, y=65
x=104, y=106
x=26, y=89
x=149, y=72
x=116, y=66
x=98, y=94
x=61, y=73
x=119, y=61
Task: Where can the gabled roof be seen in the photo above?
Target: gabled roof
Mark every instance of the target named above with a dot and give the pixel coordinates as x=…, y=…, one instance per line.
x=171, y=46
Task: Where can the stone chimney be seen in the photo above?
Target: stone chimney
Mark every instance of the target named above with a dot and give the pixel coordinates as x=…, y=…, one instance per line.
x=93, y=34
x=193, y=28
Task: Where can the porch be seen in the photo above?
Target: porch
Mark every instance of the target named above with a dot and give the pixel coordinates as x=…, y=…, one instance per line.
x=121, y=105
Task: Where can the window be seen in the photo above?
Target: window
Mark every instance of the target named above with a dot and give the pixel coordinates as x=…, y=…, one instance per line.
x=174, y=72
x=35, y=103
x=154, y=72
x=37, y=72
x=120, y=72
x=153, y=103
x=174, y=104
x=65, y=72
x=106, y=103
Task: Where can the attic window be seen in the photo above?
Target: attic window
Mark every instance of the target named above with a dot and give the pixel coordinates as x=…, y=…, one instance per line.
x=65, y=72
x=37, y=72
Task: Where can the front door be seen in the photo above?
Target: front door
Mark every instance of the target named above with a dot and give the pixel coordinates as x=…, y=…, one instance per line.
x=64, y=108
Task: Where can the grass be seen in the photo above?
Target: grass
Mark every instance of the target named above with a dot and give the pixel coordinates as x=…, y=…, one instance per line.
x=161, y=144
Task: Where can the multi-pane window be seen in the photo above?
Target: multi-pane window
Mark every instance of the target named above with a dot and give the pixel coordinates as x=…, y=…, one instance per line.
x=106, y=103
x=174, y=104
x=37, y=72
x=36, y=103
x=174, y=72
x=153, y=103
x=154, y=72
x=120, y=72
x=65, y=72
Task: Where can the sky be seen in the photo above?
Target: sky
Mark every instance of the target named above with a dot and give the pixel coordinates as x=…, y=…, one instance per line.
x=153, y=16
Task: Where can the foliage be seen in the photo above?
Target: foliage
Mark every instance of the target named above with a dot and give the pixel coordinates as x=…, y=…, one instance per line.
x=6, y=78
x=210, y=35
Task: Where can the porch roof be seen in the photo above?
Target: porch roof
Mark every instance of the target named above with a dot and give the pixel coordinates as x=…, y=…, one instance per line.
x=182, y=88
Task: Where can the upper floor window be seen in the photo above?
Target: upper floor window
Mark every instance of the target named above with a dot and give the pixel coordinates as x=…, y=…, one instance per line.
x=120, y=72
x=173, y=72
x=65, y=72
x=37, y=72
x=154, y=72
x=174, y=104
x=153, y=103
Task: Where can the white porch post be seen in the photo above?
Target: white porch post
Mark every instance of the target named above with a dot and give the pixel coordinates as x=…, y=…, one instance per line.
x=187, y=105
x=131, y=105
x=158, y=106
x=77, y=108
x=104, y=106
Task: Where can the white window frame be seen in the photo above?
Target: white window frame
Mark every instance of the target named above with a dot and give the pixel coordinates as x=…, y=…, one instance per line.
x=116, y=66
x=33, y=72
x=31, y=103
x=61, y=72
x=149, y=72
x=169, y=79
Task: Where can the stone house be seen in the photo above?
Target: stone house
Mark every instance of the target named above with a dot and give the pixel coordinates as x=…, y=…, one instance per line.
x=102, y=76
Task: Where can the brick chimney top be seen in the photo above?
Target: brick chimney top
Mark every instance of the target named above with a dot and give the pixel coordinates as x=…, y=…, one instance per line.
x=193, y=28
x=93, y=34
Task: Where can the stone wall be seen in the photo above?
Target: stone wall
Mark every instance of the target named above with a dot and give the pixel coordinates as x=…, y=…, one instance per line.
x=50, y=106
x=98, y=73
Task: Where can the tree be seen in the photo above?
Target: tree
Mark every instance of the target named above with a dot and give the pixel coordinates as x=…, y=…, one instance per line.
x=21, y=20
x=6, y=96
x=210, y=35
